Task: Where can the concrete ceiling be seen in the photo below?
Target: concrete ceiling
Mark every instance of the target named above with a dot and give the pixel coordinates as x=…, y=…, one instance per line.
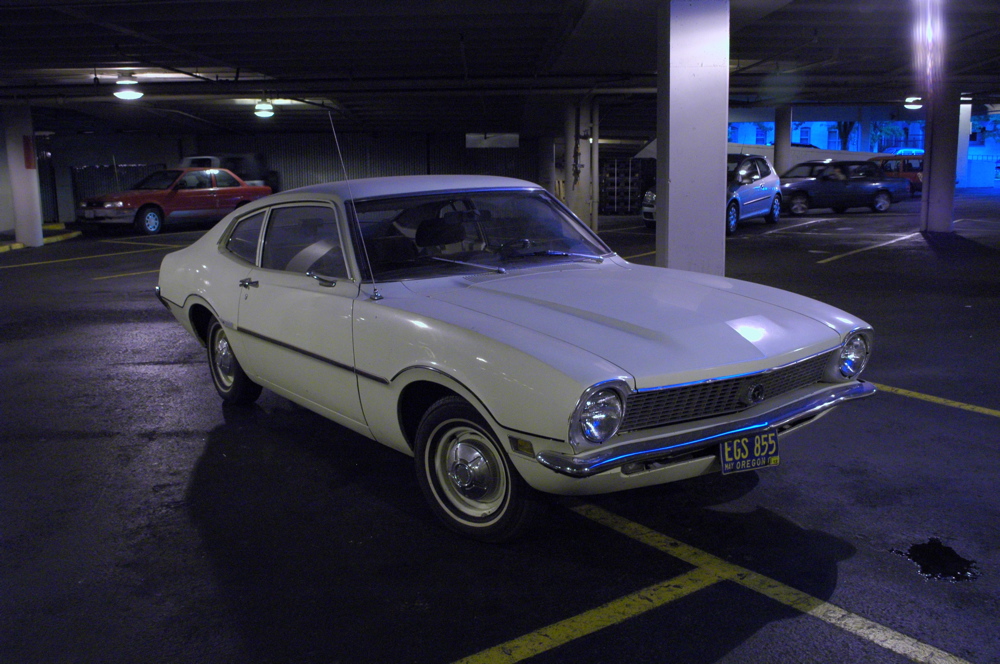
x=449, y=65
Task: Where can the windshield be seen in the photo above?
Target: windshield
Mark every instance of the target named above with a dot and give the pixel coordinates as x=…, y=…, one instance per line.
x=157, y=180
x=434, y=235
x=805, y=171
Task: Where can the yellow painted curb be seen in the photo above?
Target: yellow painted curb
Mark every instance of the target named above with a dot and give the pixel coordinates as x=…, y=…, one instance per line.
x=47, y=240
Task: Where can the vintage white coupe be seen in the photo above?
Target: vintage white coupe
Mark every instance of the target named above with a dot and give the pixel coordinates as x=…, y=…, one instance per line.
x=475, y=324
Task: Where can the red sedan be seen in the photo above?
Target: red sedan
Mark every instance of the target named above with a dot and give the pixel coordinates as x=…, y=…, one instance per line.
x=180, y=194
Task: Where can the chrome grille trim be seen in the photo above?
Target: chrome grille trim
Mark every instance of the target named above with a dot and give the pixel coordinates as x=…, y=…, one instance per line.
x=669, y=405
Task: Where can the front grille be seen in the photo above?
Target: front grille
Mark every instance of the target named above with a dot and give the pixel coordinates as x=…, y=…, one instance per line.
x=670, y=405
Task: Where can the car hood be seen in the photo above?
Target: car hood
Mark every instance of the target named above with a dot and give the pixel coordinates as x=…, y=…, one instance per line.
x=661, y=326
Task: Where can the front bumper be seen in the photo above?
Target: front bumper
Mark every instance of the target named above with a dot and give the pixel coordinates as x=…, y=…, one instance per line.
x=105, y=216
x=783, y=418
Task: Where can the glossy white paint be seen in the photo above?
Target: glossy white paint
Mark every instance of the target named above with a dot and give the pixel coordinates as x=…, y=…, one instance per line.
x=521, y=347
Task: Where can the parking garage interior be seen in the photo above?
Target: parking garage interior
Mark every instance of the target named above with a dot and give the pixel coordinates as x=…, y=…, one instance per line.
x=141, y=521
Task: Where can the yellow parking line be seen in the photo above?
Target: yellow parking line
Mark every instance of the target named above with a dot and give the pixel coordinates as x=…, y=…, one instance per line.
x=863, y=249
x=144, y=244
x=612, y=613
x=127, y=274
x=648, y=253
x=845, y=620
x=938, y=400
x=81, y=258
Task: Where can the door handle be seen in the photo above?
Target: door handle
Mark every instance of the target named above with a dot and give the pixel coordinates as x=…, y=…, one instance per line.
x=248, y=283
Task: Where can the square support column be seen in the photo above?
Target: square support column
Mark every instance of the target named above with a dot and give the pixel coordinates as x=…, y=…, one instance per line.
x=692, y=109
x=21, y=175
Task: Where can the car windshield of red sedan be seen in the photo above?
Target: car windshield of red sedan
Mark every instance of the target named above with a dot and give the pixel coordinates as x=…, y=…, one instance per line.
x=158, y=180
x=456, y=232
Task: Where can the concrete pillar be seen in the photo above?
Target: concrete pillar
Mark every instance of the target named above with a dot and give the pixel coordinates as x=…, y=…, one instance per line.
x=24, y=201
x=692, y=108
x=547, y=164
x=940, y=157
x=584, y=198
x=570, y=172
x=595, y=164
x=782, y=138
x=964, y=129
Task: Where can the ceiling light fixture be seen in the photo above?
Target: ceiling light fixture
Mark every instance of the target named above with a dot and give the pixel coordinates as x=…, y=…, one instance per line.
x=126, y=78
x=128, y=94
x=263, y=109
x=913, y=103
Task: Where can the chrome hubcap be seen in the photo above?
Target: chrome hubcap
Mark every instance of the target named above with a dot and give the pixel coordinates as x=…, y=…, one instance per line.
x=223, y=359
x=471, y=474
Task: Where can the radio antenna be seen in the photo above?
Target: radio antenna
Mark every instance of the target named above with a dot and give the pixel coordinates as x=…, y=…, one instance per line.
x=376, y=295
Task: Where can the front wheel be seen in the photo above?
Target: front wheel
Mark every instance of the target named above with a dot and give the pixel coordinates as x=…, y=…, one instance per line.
x=149, y=220
x=732, y=218
x=231, y=382
x=465, y=474
x=882, y=202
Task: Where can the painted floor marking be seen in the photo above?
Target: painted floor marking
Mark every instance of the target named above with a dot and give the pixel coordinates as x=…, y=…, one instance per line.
x=80, y=258
x=834, y=615
x=708, y=569
x=127, y=274
x=804, y=223
x=863, y=249
x=612, y=613
x=938, y=400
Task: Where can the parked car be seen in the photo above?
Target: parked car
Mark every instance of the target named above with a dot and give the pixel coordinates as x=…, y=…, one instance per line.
x=753, y=190
x=251, y=168
x=840, y=185
x=908, y=167
x=181, y=194
x=903, y=151
x=476, y=325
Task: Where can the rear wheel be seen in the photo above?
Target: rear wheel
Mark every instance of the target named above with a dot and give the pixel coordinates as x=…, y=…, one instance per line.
x=882, y=202
x=231, y=382
x=732, y=218
x=149, y=220
x=465, y=474
x=775, y=212
x=799, y=204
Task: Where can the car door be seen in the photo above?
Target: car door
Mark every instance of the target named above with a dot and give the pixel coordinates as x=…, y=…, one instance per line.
x=296, y=309
x=754, y=200
x=861, y=180
x=192, y=198
x=228, y=192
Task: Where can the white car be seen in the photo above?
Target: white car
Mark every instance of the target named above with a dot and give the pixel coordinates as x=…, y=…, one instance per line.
x=475, y=324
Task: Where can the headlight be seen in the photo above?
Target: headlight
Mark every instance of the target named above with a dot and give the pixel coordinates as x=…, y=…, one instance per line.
x=854, y=355
x=649, y=198
x=597, y=416
x=114, y=204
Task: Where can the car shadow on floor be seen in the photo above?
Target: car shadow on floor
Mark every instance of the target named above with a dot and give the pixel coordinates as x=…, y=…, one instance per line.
x=323, y=550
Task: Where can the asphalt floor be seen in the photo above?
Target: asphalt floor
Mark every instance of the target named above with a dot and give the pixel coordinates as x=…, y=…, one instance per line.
x=140, y=521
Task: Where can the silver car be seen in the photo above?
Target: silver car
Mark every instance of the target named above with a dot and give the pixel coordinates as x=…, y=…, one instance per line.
x=752, y=190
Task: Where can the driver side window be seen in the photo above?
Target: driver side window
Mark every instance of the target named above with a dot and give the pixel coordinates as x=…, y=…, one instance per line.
x=302, y=239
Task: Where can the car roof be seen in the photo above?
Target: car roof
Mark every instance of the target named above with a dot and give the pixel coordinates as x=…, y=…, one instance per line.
x=405, y=184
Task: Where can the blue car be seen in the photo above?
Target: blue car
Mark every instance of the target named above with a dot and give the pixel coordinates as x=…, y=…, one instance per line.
x=840, y=185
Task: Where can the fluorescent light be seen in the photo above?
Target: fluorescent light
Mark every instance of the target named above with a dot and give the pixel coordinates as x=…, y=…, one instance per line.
x=126, y=79
x=913, y=103
x=128, y=94
x=263, y=109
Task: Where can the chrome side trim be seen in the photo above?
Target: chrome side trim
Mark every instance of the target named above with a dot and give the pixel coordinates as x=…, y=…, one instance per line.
x=787, y=416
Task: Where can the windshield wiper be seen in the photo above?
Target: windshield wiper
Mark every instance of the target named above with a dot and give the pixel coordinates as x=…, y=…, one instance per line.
x=570, y=254
x=491, y=268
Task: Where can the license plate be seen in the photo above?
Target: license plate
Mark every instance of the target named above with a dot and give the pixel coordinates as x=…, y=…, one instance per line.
x=749, y=452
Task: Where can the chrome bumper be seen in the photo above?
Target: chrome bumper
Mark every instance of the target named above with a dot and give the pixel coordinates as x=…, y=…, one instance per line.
x=784, y=417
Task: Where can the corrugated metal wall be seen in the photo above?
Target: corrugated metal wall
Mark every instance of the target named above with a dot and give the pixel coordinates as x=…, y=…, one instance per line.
x=304, y=159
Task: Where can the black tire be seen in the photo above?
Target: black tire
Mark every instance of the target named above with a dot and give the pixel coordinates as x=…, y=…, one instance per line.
x=230, y=381
x=466, y=477
x=732, y=218
x=774, y=214
x=798, y=205
x=881, y=202
x=149, y=220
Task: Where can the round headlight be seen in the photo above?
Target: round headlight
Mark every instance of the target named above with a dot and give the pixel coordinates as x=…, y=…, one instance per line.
x=854, y=356
x=600, y=415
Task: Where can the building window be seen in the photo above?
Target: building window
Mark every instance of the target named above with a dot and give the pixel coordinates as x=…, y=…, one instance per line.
x=805, y=135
